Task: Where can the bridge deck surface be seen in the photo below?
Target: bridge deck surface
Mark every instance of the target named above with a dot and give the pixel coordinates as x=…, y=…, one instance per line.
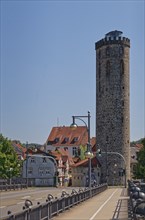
x=110, y=204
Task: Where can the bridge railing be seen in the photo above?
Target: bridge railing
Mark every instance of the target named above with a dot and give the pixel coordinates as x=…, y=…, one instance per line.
x=13, y=184
x=54, y=206
x=136, y=202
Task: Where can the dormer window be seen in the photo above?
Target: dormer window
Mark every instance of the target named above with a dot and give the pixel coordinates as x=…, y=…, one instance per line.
x=65, y=140
x=56, y=140
x=75, y=139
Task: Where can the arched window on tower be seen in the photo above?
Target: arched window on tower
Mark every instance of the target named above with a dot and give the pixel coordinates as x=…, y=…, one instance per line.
x=108, y=51
x=121, y=50
x=108, y=68
x=121, y=67
x=99, y=54
x=99, y=70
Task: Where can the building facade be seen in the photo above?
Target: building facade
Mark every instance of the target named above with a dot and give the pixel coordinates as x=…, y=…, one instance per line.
x=73, y=140
x=112, y=106
x=80, y=173
x=40, y=170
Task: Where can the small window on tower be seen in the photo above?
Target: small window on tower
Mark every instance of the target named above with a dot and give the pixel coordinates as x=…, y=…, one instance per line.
x=99, y=54
x=99, y=87
x=122, y=119
x=99, y=70
x=108, y=68
x=108, y=51
x=121, y=50
x=121, y=67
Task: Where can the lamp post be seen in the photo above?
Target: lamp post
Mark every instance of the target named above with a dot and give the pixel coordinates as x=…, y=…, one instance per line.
x=27, y=164
x=116, y=153
x=10, y=170
x=88, y=154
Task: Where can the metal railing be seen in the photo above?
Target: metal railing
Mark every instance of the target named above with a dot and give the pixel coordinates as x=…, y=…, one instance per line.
x=136, y=206
x=12, y=187
x=14, y=184
x=54, y=206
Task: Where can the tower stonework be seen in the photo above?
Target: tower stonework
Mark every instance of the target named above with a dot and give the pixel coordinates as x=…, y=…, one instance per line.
x=113, y=106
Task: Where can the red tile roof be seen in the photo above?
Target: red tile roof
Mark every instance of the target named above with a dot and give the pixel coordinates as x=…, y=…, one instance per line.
x=93, y=144
x=84, y=163
x=64, y=154
x=66, y=136
x=20, y=150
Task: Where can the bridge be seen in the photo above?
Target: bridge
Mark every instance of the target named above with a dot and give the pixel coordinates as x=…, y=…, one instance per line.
x=108, y=203
x=101, y=202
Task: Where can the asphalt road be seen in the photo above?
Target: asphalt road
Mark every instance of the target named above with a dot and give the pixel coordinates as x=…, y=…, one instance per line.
x=14, y=200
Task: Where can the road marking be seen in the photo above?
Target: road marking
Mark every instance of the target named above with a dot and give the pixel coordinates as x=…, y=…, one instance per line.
x=2, y=207
x=102, y=205
x=38, y=198
x=25, y=197
x=20, y=203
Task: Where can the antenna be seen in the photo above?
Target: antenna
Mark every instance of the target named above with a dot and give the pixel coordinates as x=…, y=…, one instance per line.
x=57, y=121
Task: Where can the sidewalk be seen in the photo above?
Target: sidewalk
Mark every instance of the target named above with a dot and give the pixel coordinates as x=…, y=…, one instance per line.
x=111, y=204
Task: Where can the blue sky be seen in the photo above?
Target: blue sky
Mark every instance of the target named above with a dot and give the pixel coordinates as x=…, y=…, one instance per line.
x=48, y=67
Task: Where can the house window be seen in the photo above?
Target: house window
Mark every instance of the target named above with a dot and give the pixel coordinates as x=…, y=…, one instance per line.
x=74, y=151
x=41, y=171
x=32, y=160
x=47, y=171
x=30, y=171
x=44, y=159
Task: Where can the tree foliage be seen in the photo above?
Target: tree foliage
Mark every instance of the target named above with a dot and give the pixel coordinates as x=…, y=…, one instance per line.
x=9, y=163
x=140, y=167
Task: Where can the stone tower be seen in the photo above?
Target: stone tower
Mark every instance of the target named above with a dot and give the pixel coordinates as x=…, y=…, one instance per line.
x=112, y=106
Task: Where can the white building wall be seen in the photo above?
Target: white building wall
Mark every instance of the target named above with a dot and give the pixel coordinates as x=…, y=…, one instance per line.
x=80, y=176
x=40, y=168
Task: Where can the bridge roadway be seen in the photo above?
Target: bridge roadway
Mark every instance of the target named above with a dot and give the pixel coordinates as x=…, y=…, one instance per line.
x=110, y=204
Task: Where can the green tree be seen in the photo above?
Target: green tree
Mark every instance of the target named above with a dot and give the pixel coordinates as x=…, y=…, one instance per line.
x=9, y=163
x=139, y=172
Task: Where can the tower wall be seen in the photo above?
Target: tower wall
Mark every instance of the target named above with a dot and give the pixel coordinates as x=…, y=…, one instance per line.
x=112, y=106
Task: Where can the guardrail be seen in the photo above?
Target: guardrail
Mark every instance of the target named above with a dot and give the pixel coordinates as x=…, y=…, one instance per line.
x=7, y=187
x=54, y=206
x=13, y=184
x=136, y=202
